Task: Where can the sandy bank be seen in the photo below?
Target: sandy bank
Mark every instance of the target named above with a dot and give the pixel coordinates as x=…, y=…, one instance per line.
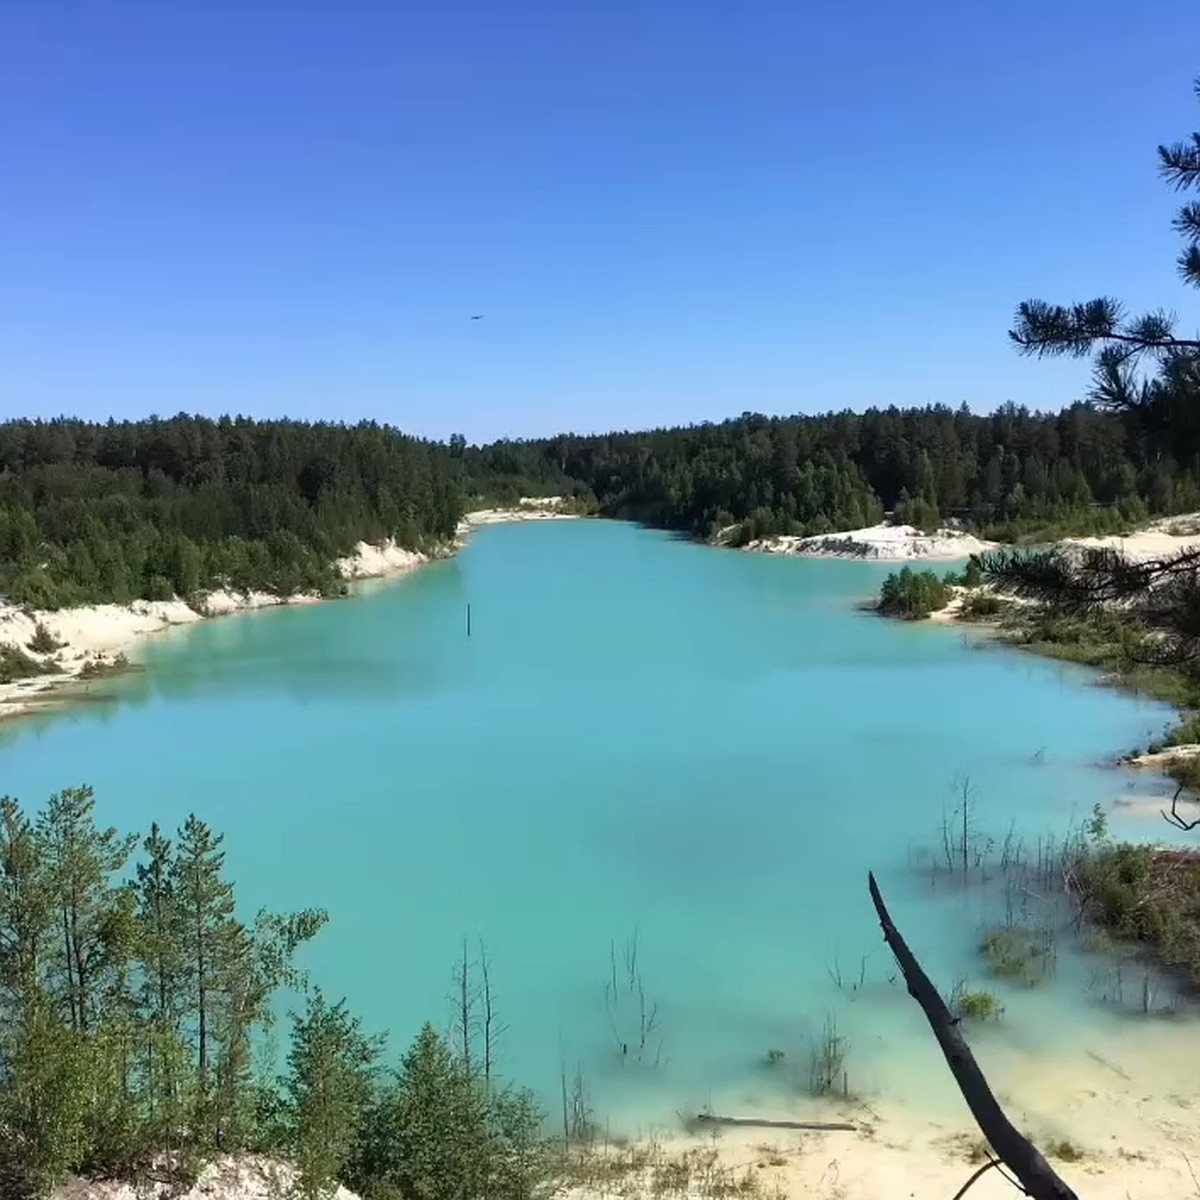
x=878, y=543
x=92, y=638
x=1162, y=760
x=529, y=508
x=1115, y=1121
x=1112, y=1127
x=1160, y=539
x=235, y=1177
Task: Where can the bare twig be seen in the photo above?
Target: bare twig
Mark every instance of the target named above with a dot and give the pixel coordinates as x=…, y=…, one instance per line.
x=966, y=1187
x=1173, y=817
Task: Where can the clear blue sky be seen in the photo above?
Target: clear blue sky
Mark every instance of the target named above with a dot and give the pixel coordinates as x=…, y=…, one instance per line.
x=668, y=210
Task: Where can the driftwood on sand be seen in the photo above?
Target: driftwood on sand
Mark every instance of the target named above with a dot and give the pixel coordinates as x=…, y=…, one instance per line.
x=1037, y=1178
x=822, y=1126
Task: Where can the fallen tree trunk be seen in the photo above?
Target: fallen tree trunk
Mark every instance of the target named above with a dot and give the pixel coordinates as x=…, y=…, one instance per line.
x=823, y=1126
x=1016, y=1151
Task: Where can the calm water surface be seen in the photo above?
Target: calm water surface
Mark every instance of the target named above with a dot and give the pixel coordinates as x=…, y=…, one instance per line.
x=642, y=736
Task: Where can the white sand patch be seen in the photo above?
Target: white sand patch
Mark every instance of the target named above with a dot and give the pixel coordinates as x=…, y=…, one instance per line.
x=235, y=1177
x=541, y=501
x=373, y=562
x=544, y=508
x=92, y=637
x=878, y=543
x=1124, y=1112
x=1162, y=759
x=1160, y=539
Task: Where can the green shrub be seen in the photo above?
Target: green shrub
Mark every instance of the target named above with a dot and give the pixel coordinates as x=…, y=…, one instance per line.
x=912, y=595
x=971, y=576
x=43, y=641
x=96, y=667
x=981, y=606
x=16, y=664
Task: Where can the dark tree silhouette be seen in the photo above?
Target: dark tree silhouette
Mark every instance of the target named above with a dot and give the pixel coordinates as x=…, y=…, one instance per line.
x=1121, y=341
x=1145, y=370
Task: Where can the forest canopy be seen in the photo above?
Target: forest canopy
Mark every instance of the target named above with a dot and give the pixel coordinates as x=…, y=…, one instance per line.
x=173, y=507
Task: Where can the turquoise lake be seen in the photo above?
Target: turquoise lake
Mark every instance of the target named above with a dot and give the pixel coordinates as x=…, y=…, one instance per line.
x=707, y=748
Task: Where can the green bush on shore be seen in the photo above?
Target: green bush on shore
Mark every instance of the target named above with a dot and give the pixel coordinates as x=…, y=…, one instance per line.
x=912, y=595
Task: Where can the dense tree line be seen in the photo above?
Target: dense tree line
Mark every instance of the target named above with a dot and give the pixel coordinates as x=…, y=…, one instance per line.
x=157, y=508
x=164, y=508
x=1004, y=471
x=132, y=995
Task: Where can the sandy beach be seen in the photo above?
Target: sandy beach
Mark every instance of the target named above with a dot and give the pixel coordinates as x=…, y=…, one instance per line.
x=529, y=508
x=878, y=543
x=1160, y=539
x=1117, y=1124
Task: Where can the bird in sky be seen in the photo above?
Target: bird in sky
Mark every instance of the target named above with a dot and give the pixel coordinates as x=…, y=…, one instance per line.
x=477, y=317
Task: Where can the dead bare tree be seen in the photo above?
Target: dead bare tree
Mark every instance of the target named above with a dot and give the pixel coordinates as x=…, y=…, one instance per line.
x=465, y=999
x=1035, y=1175
x=492, y=1030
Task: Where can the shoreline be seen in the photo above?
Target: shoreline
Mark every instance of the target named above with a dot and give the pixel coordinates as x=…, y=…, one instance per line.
x=1113, y=1123
x=1128, y=1126
x=881, y=543
x=97, y=640
x=1160, y=539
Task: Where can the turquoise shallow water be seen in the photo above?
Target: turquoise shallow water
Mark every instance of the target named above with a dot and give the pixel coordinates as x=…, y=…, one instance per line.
x=707, y=748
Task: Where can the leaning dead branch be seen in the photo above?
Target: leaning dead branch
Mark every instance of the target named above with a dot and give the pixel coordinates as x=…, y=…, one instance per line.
x=1021, y=1156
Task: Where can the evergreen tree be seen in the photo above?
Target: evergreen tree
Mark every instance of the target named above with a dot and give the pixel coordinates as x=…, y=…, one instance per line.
x=42, y=1087
x=163, y=972
x=81, y=862
x=329, y=1085
x=210, y=939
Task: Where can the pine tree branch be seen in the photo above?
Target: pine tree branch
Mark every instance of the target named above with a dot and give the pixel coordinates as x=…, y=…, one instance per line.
x=1189, y=265
x=1179, y=164
x=1187, y=222
x=1044, y=329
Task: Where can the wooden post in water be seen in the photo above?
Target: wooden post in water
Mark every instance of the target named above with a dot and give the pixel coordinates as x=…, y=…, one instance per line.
x=468, y=620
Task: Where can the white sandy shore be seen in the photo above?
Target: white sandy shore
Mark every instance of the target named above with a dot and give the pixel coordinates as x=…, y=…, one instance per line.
x=1125, y=1117
x=529, y=508
x=1160, y=539
x=878, y=543
x=93, y=636
x=234, y=1177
